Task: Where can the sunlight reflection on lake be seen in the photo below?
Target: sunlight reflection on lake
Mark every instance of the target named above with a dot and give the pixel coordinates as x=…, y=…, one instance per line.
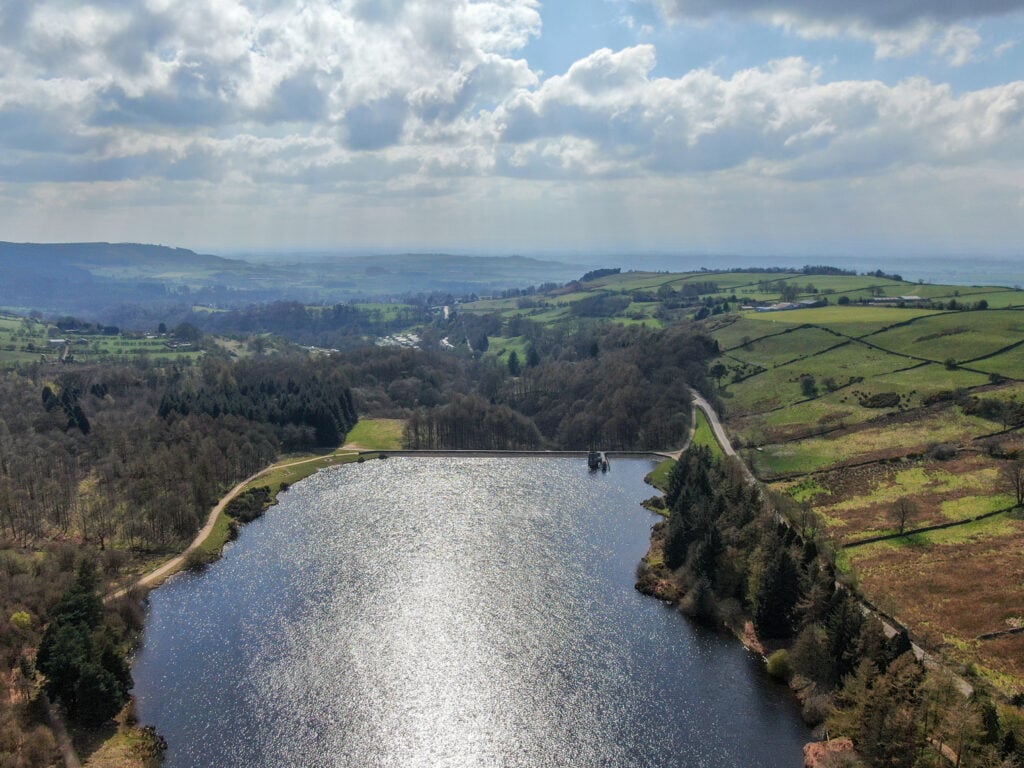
x=450, y=612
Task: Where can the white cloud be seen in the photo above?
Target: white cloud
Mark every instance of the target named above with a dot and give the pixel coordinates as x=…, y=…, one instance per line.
x=959, y=45
x=246, y=104
x=779, y=120
x=219, y=61
x=430, y=87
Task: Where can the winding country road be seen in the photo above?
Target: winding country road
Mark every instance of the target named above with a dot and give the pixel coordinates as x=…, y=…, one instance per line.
x=156, y=577
x=716, y=424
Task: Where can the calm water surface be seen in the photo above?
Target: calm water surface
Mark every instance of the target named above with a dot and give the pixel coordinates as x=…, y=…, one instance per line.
x=450, y=612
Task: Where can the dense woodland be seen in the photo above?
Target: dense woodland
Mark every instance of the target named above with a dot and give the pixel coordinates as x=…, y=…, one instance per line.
x=729, y=557
x=615, y=387
x=103, y=465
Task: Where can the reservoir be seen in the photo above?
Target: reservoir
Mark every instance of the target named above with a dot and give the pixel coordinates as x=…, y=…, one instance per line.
x=450, y=612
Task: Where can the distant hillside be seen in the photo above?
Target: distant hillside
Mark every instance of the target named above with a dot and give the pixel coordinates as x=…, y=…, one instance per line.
x=84, y=278
x=107, y=256
x=96, y=280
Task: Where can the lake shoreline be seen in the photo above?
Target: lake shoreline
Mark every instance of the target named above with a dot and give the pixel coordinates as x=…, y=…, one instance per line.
x=598, y=487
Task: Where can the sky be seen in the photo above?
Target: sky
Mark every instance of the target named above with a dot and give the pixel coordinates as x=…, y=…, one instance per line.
x=802, y=127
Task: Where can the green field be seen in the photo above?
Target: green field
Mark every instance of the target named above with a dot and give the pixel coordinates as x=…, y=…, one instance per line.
x=781, y=386
x=658, y=477
x=384, y=434
x=772, y=351
x=763, y=388
x=852, y=320
x=703, y=435
x=1009, y=364
x=919, y=381
x=503, y=346
x=24, y=340
x=997, y=299
x=736, y=330
x=290, y=471
x=960, y=336
x=882, y=441
x=843, y=406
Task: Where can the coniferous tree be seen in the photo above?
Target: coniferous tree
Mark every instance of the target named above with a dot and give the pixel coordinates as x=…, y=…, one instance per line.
x=774, y=590
x=83, y=667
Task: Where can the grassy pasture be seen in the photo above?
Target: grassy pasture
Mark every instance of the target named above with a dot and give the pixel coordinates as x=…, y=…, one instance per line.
x=1005, y=298
x=703, y=435
x=1009, y=364
x=800, y=419
x=851, y=320
x=290, y=471
x=658, y=477
x=503, y=346
x=958, y=335
x=916, y=383
x=729, y=282
x=849, y=283
x=843, y=406
x=867, y=442
x=1006, y=392
x=123, y=348
x=565, y=299
x=732, y=331
x=773, y=351
x=633, y=281
x=878, y=288
x=996, y=297
x=486, y=306
x=384, y=434
x=550, y=314
x=778, y=387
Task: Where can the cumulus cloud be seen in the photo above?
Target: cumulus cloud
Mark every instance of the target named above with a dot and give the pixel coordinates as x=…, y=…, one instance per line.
x=958, y=45
x=213, y=62
x=779, y=120
x=431, y=98
x=92, y=87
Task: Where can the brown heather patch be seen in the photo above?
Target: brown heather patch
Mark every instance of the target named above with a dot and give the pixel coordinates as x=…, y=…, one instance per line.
x=967, y=588
x=1006, y=656
x=790, y=432
x=827, y=424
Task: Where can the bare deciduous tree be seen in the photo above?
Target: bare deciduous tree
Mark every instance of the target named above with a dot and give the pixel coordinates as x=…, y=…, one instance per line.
x=903, y=509
x=1013, y=476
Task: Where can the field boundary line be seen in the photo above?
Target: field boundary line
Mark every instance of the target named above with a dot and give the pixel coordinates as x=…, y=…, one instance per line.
x=926, y=529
